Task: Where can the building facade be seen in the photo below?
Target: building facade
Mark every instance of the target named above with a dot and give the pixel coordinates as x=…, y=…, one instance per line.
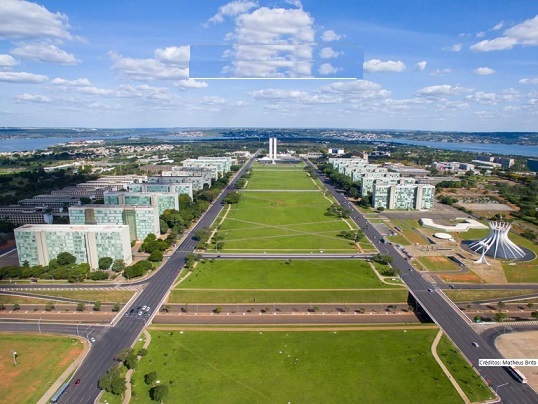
x=142, y=220
x=409, y=196
x=162, y=200
x=38, y=244
x=180, y=189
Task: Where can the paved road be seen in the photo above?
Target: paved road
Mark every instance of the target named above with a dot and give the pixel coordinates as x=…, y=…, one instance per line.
x=444, y=313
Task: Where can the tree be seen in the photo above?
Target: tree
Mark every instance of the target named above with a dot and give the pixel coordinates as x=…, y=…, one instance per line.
x=123, y=354
x=156, y=256
x=150, y=378
x=81, y=306
x=142, y=352
x=382, y=259
x=163, y=226
x=501, y=304
x=49, y=306
x=16, y=307
x=529, y=305
x=65, y=258
x=232, y=197
x=118, y=266
x=2, y=306
x=105, y=263
x=112, y=381
x=499, y=317
x=534, y=314
x=116, y=307
x=97, y=306
x=131, y=361
x=158, y=393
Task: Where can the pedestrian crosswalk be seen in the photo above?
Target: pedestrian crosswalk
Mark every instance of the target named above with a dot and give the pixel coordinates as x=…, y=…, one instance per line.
x=479, y=327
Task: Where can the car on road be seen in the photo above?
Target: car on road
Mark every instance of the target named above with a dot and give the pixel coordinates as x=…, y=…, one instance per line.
x=144, y=308
x=452, y=286
x=147, y=308
x=77, y=382
x=430, y=290
x=92, y=339
x=475, y=344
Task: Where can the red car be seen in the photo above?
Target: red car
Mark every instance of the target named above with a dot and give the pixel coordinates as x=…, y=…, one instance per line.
x=77, y=382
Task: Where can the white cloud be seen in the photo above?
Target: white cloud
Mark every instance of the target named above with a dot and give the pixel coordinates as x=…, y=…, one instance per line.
x=327, y=68
x=376, y=65
x=45, y=53
x=442, y=90
x=297, y=97
x=22, y=77
x=328, y=53
x=358, y=88
x=272, y=43
x=330, y=36
x=74, y=83
x=146, y=69
x=498, y=26
x=22, y=19
x=174, y=55
x=455, y=48
x=501, y=43
x=7, y=61
x=483, y=71
x=440, y=72
x=533, y=80
x=421, y=65
x=232, y=9
x=272, y=25
x=525, y=33
x=33, y=98
x=480, y=34
x=190, y=83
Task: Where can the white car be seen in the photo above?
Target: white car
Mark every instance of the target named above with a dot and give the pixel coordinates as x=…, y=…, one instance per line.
x=144, y=308
x=92, y=339
x=147, y=308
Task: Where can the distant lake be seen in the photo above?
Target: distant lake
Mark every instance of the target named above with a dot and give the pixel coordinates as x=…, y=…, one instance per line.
x=494, y=148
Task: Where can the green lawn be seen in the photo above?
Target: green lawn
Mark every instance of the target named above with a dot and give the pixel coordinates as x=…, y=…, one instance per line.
x=218, y=296
x=41, y=360
x=277, y=274
x=283, y=221
x=289, y=180
x=295, y=367
x=465, y=376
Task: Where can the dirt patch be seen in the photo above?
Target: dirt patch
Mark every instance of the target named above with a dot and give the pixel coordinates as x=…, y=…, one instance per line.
x=464, y=278
x=521, y=345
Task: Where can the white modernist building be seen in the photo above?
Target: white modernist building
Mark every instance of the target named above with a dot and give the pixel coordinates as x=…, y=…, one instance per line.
x=497, y=244
x=272, y=149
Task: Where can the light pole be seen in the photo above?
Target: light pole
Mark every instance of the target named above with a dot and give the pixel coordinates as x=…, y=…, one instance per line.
x=78, y=335
x=14, y=357
x=39, y=325
x=500, y=385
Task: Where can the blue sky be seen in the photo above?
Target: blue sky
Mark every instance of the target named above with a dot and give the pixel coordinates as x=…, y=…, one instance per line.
x=370, y=64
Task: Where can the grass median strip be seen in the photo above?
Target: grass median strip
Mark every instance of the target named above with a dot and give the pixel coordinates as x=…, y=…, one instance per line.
x=104, y=296
x=474, y=295
x=193, y=296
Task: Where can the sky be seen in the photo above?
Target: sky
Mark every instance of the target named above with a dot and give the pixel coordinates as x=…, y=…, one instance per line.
x=459, y=65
